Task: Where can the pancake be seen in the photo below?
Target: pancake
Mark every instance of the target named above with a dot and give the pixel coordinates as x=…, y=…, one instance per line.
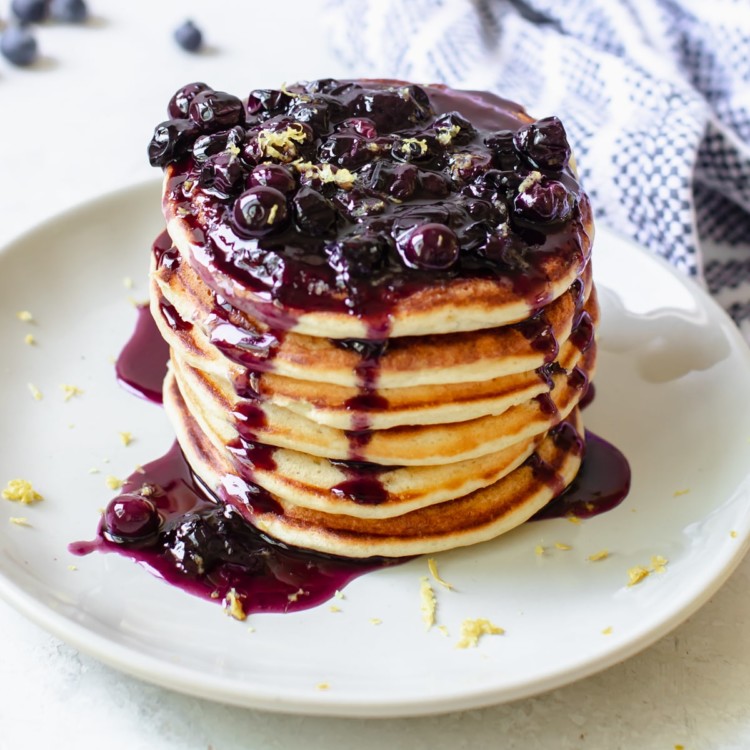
x=409, y=445
x=477, y=517
x=380, y=308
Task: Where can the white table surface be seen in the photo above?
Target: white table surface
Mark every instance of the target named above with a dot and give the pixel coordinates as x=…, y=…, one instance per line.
x=76, y=126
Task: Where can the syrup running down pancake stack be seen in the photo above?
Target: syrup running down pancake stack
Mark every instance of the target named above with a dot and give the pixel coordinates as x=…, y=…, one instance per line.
x=380, y=310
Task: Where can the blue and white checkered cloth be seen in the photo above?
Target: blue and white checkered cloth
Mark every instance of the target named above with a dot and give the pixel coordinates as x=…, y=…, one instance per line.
x=654, y=94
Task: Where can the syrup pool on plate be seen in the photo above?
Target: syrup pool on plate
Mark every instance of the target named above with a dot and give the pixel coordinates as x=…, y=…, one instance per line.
x=167, y=521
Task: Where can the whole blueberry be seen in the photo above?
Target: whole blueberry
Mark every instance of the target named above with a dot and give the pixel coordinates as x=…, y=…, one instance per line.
x=545, y=202
x=313, y=213
x=272, y=175
x=259, y=211
x=68, y=11
x=189, y=36
x=503, y=148
x=428, y=247
x=456, y=127
x=29, y=11
x=268, y=102
x=363, y=126
x=212, y=110
x=179, y=104
x=18, y=46
x=345, y=150
x=131, y=518
x=356, y=257
x=172, y=140
x=214, y=143
x=434, y=184
x=223, y=173
x=544, y=143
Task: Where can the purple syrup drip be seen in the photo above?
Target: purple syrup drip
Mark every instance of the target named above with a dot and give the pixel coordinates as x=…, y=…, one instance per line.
x=173, y=318
x=602, y=483
x=266, y=576
x=588, y=397
x=252, y=455
x=248, y=419
x=364, y=489
x=546, y=404
x=142, y=364
x=582, y=335
x=538, y=331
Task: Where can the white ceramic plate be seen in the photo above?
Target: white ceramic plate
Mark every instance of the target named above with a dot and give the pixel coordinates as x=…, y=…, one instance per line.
x=671, y=388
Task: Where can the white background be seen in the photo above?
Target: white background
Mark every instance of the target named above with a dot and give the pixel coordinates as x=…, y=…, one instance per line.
x=75, y=127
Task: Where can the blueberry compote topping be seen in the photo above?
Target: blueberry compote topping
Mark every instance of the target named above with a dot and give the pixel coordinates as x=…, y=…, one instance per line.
x=350, y=195
x=166, y=521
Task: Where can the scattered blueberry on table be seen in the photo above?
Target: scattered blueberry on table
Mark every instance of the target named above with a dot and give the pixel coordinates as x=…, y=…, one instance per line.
x=68, y=11
x=29, y=11
x=18, y=46
x=189, y=36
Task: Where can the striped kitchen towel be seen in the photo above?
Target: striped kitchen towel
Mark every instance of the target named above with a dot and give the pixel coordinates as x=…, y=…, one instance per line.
x=655, y=95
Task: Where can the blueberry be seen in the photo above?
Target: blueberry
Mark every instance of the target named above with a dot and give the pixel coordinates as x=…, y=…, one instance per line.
x=434, y=184
x=212, y=110
x=392, y=109
x=503, y=247
x=272, y=175
x=545, y=143
x=68, y=11
x=259, y=211
x=313, y=213
x=223, y=173
x=545, y=202
x=502, y=146
x=172, y=140
x=344, y=150
x=131, y=519
x=456, y=127
x=314, y=114
x=18, y=46
x=268, y=102
x=428, y=247
x=466, y=166
x=29, y=11
x=363, y=126
x=356, y=257
x=398, y=181
x=420, y=148
x=189, y=36
x=180, y=103
x=214, y=143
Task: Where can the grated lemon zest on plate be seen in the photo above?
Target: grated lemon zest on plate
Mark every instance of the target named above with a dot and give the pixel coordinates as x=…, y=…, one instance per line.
x=233, y=605
x=29, y=339
x=69, y=391
x=113, y=482
x=20, y=490
x=539, y=550
x=126, y=438
x=602, y=554
x=473, y=630
x=562, y=546
x=428, y=603
x=376, y=621
x=35, y=392
x=323, y=686
x=25, y=316
x=677, y=493
x=607, y=631
x=19, y=521
x=659, y=564
x=432, y=565
x=637, y=574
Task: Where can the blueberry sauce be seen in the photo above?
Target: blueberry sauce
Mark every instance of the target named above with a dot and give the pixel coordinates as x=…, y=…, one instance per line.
x=141, y=366
x=349, y=196
x=602, y=483
x=165, y=519
x=208, y=550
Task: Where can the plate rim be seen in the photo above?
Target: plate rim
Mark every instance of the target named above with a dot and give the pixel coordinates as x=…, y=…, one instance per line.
x=217, y=688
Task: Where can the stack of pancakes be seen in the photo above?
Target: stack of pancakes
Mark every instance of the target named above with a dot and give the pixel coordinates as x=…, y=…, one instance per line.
x=448, y=425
